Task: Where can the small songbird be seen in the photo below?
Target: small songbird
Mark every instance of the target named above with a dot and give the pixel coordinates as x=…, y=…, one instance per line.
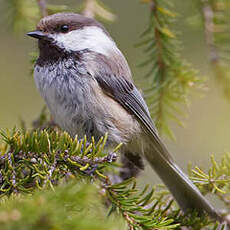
x=87, y=85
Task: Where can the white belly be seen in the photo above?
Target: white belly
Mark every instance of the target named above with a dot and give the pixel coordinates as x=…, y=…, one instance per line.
x=79, y=106
x=66, y=100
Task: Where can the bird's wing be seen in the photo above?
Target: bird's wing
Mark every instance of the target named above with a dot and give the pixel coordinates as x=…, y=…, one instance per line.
x=184, y=191
x=127, y=95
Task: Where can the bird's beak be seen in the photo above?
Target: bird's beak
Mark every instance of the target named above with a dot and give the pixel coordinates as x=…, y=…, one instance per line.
x=39, y=35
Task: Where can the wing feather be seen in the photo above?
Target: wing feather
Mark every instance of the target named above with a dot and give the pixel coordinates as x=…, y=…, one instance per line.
x=127, y=95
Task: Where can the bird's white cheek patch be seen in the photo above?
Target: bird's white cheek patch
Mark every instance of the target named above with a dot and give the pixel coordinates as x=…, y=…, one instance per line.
x=90, y=37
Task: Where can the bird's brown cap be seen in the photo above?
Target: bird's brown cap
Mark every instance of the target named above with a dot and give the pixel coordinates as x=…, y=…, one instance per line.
x=54, y=23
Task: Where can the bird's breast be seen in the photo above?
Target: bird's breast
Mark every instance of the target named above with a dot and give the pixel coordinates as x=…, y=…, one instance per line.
x=67, y=95
x=79, y=106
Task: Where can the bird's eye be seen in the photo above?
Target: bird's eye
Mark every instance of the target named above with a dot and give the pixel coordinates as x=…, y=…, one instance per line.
x=64, y=28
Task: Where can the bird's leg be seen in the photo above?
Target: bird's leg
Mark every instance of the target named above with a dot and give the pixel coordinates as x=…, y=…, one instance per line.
x=132, y=165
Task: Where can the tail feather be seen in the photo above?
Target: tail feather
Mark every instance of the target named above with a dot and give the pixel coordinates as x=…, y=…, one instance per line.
x=184, y=191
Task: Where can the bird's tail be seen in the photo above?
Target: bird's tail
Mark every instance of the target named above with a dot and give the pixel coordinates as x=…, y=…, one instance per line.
x=183, y=190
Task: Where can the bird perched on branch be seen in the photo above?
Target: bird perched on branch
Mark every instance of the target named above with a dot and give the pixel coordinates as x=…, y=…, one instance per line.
x=87, y=85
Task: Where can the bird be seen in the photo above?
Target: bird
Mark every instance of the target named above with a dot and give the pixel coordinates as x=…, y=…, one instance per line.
x=87, y=85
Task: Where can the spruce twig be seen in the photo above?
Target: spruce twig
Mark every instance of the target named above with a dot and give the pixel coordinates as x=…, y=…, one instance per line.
x=42, y=159
x=209, y=30
x=170, y=79
x=42, y=6
x=216, y=22
x=94, y=8
x=89, y=9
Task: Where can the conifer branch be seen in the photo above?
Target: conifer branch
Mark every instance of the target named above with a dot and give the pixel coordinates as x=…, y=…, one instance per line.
x=139, y=208
x=40, y=160
x=209, y=30
x=170, y=78
x=22, y=14
x=89, y=8
x=94, y=8
x=43, y=159
x=71, y=206
x=42, y=6
x=216, y=22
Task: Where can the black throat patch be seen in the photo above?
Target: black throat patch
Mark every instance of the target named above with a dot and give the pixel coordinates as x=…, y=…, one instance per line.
x=51, y=53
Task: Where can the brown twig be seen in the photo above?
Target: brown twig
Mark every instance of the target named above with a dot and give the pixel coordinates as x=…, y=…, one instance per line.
x=42, y=6
x=89, y=8
x=208, y=15
x=161, y=64
x=217, y=62
x=111, y=157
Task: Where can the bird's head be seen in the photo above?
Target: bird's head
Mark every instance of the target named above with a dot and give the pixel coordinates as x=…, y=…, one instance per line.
x=71, y=32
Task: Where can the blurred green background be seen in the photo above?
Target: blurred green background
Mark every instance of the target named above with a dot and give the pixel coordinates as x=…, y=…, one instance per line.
x=207, y=129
